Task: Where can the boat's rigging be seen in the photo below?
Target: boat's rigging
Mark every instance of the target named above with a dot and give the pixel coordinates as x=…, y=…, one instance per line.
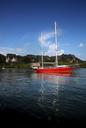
x=56, y=46
x=57, y=69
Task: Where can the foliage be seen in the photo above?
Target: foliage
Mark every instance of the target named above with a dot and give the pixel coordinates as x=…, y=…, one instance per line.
x=25, y=61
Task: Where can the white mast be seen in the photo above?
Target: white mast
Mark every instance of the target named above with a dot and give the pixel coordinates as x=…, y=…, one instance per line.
x=56, y=45
x=42, y=53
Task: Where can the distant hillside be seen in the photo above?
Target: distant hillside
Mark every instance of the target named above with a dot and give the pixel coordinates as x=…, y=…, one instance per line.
x=64, y=59
x=13, y=60
x=68, y=58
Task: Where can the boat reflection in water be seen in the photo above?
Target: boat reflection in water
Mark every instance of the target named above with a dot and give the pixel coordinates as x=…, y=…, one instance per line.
x=49, y=93
x=56, y=78
x=55, y=93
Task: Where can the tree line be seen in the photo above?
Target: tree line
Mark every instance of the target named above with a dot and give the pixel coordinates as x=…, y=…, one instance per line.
x=13, y=60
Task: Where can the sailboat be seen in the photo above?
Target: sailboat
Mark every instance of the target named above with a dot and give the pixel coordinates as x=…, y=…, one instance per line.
x=58, y=68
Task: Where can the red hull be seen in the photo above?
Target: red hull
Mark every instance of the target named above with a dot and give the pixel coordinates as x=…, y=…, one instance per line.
x=55, y=70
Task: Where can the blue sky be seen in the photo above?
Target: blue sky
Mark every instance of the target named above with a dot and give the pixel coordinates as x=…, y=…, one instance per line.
x=22, y=21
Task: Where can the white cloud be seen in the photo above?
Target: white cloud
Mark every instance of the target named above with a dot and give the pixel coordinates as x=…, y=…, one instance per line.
x=18, y=50
x=47, y=41
x=6, y=50
x=44, y=39
x=60, y=52
x=82, y=45
x=52, y=50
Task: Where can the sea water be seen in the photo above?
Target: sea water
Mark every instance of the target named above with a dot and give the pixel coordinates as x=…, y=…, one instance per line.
x=55, y=99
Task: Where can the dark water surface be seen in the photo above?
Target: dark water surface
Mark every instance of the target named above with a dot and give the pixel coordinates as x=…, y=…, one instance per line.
x=52, y=100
